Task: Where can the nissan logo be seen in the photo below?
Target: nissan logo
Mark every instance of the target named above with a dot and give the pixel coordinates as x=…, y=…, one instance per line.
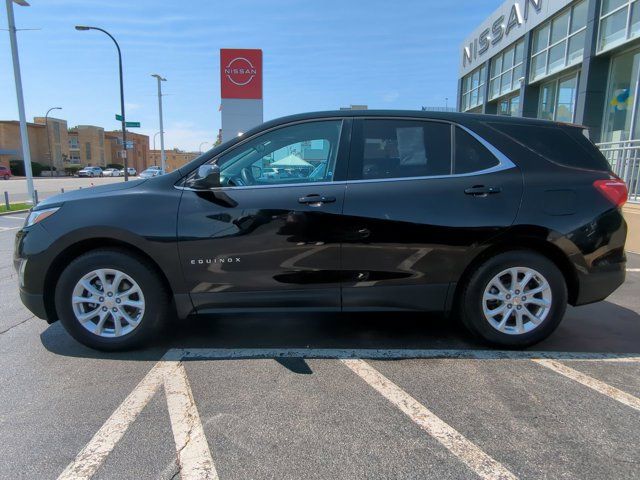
x=240, y=71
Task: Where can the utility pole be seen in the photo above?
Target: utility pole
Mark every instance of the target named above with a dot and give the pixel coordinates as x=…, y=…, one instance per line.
x=24, y=136
x=163, y=159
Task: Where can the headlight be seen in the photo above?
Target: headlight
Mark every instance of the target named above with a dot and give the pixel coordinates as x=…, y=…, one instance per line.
x=39, y=215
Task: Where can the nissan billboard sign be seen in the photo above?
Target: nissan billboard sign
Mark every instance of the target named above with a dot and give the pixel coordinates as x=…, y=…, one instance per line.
x=241, y=73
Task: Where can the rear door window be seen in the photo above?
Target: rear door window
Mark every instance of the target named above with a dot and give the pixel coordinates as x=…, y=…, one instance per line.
x=470, y=155
x=400, y=149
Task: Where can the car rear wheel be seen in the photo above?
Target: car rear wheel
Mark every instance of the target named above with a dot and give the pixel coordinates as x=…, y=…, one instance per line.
x=516, y=299
x=110, y=300
x=6, y=177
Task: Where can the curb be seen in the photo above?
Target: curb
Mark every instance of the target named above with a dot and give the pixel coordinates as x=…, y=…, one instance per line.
x=13, y=211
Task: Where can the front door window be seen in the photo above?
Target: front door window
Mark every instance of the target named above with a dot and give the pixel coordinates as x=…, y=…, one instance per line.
x=301, y=153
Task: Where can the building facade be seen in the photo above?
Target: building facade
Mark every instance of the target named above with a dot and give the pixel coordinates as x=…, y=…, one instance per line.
x=57, y=141
x=574, y=61
x=566, y=60
x=137, y=154
x=87, y=146
x=174, y=158
x=10, y=143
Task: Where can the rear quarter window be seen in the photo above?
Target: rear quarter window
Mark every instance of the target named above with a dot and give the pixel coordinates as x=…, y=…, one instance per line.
x=565, y=146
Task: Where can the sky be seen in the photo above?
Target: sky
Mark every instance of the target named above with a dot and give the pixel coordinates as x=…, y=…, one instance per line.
x=317, y=54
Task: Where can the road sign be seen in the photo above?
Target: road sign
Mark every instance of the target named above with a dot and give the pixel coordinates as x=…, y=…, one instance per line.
x=118, y=117
x=132, y=124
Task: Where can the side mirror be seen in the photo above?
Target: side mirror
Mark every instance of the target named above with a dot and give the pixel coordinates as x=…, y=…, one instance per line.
x=207, y=177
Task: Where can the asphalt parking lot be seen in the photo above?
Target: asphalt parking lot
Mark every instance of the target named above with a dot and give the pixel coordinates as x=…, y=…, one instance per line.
x=385, y=395
x=47, y=187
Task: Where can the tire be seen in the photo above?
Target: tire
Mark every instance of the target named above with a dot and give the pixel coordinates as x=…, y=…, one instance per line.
x=6, y=177
x=153, y=297
x=546, y=307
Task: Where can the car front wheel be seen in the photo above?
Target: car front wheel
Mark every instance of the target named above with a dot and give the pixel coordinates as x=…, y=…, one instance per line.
x=515, y=299
x=110, y=300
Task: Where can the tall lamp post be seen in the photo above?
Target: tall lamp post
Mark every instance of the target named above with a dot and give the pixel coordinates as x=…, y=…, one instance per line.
x=163, y=159
x=124, y=123
x=24, y=137
x=46, y=126
x=154, y=146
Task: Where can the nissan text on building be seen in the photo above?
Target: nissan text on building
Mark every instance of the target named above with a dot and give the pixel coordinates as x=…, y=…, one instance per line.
x=240, y=90
x=574, y=61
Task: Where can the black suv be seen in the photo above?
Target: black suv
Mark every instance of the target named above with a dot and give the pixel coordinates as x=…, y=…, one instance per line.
x=501, y=221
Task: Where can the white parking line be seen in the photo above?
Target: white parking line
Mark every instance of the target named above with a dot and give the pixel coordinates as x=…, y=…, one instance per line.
x=6, y=229
x=194, y=456
x=633, y=269
x=95, y=452
x=395, y=354
x=481, y=463
x=13, y=218
x=594, y=384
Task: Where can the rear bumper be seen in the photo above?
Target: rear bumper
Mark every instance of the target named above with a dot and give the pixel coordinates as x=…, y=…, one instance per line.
x=596, y=286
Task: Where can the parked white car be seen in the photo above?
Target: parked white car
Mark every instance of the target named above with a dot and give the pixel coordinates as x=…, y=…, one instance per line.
x=111, y=172
x=132, y=171
x=151, y=172
x=90, y=172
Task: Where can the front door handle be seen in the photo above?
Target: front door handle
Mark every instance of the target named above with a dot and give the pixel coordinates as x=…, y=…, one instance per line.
x=482, y=190
x=316, y=200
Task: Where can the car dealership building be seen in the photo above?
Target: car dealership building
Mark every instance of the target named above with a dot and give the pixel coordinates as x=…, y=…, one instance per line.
x=566, y=60
x=571, y=61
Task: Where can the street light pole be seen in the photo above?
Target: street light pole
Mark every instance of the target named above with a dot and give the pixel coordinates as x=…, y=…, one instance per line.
x=46, y=127
x=155, y=162
x=163, y=159
x=124, y=123
x=24, y=136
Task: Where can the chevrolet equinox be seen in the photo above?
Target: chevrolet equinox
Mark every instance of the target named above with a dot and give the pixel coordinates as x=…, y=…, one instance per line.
x=500, y=221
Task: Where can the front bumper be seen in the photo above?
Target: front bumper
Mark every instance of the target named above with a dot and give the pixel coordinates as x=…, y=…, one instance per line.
x=35, y=303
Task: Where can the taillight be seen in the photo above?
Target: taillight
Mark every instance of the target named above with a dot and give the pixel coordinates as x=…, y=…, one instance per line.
x=613, y=189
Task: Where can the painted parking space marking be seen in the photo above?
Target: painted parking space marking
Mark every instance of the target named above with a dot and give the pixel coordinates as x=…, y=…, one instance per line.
x=12, y=217
x=193, y=453
x=476, y=459
x=194, y=456
x=397, y=354
x=6, y=229
x=594, y=384
x=633, y=269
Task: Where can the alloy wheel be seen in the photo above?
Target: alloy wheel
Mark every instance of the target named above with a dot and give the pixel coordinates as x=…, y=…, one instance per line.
x=517, y=300
x=108, y=303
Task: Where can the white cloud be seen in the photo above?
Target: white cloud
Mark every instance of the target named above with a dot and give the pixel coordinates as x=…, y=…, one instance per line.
x=185, y=136
x=391, y=96
x=132, y=107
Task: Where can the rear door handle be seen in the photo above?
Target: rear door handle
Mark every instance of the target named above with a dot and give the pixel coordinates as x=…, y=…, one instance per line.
x=482, y=190
x=316, y=200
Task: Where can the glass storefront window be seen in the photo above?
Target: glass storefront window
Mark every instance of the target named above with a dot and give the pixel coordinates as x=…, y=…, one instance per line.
x=558, y=99
x=473, y=88
x=566, y=104
x=559, y=43
x=619, y=22
x=509, y=106
x=621, y=92
x=506, y=70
